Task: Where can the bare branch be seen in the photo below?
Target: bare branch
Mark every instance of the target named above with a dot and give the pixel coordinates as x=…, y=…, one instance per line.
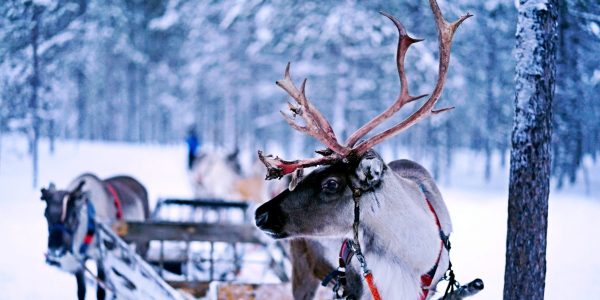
x=439, y=111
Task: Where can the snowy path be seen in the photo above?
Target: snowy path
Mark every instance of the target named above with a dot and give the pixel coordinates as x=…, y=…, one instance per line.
x=478, y=211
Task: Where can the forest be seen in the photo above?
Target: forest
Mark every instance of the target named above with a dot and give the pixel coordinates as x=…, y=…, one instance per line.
x=163, y=105
x=146, y=71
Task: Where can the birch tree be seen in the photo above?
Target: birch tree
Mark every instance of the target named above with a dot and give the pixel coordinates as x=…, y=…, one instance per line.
x=525, y=271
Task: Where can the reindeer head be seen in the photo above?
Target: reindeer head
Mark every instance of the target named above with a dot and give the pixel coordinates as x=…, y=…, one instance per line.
x=321, y=204
x=62, y=208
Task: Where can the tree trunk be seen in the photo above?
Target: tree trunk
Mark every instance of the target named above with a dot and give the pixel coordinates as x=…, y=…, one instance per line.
x=143, y=111
x=81, y=104
x=449, y=150
x=229, y=115
x=568, y=124
x=52, y=135
x=491, y=108
x=340, y=102
x=132, y=133
x=33, y=101
x=525, y=271
x=1, y=135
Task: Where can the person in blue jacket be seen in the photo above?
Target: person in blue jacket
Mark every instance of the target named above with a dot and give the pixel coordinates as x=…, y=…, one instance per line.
x=193, y=144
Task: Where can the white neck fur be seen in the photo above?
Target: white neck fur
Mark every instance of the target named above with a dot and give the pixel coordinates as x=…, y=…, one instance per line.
x=401, y=230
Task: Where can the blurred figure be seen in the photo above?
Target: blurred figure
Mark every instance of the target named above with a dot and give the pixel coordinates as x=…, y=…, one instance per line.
x=193, y=144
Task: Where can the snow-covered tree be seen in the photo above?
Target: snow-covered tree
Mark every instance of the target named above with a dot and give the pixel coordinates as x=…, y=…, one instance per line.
x=529, y=187
x=144, y=71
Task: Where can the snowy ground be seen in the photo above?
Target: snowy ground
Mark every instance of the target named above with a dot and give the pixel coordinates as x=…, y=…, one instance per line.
x=478, y=210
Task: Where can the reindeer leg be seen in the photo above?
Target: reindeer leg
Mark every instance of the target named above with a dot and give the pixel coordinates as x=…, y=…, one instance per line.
x=304, y=283
x=100, y=292
x=80, y=276
x=142, y=248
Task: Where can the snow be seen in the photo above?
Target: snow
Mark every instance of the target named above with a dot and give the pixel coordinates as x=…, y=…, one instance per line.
x=531, y=52
x=231, y=15
x=594, y=28
x=168, y=19
x=45, y=2
x=57, y=40
x=478, y=210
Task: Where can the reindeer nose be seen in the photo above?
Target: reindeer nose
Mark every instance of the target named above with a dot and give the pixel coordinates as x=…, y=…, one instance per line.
x=261, y=219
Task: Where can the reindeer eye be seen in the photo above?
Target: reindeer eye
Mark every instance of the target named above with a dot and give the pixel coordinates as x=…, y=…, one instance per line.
x=330, y=185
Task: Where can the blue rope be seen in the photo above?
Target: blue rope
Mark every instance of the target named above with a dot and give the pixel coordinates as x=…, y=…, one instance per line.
x=91, y=228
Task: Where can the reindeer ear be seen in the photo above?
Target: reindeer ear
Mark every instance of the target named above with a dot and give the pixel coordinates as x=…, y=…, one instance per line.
x=296, y=177
x=233, y=155
x=369, y=171
x=51, y=187
x=77, y=189
x=44, y=194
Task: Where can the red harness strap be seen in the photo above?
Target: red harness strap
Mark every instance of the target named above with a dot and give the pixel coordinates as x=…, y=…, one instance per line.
x=427, y=278
x=346, y=253
x=372, y=287
x=116, y=200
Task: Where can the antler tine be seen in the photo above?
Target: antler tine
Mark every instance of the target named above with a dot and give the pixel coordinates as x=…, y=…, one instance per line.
x=316, y=124
x=404, y=42
x=277, y=167
x=445, y=33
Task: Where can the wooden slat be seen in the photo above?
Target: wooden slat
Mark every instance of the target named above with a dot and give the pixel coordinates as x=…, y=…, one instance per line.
x=197, y=289
x=208, y=203
x=237, y=291
x=182, y=231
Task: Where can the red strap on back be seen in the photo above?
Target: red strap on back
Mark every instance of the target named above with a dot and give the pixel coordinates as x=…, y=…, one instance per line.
x=426, y=279
x=116, y=199
x=437, y=220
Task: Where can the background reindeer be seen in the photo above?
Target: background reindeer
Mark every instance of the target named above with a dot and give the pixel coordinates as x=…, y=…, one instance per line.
x=219, y=176
x=213, y=175
x=395, y=210
x=73, y=213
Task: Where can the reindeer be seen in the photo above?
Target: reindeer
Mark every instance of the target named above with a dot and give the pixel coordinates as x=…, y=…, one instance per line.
x=214, y=175
x=72, y=215
x=219, y=176
x=389, y=215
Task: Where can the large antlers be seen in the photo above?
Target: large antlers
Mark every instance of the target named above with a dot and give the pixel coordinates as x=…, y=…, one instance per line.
x=317, y=126
x=404, y=41
x=445, y=33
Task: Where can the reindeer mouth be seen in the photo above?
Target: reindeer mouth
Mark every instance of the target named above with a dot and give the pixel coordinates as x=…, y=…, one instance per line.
x=273, y=230
x=275, y=235
x=52, y=261
x=271, y=220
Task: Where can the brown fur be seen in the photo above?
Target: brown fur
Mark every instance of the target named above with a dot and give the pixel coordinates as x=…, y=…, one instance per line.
x=310, y=266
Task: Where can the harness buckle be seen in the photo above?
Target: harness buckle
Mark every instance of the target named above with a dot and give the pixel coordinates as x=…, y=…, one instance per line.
x=339, y=275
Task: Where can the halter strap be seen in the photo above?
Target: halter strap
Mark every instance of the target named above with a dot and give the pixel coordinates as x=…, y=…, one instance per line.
x=350, y=248
x=356, y=194
x=91, y=228
x=117, y=201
